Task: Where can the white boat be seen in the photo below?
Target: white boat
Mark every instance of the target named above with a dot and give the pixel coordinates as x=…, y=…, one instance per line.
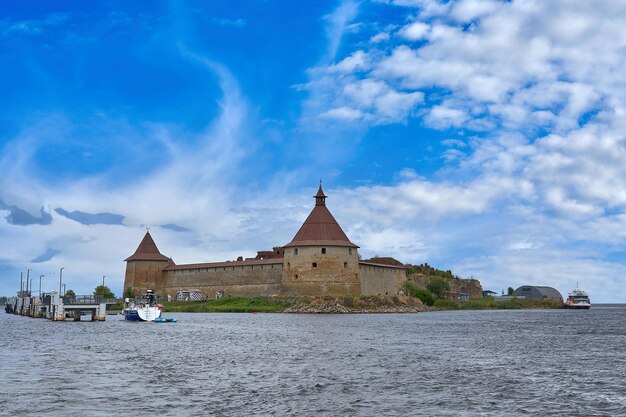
x=578, y=299
x=143, y=308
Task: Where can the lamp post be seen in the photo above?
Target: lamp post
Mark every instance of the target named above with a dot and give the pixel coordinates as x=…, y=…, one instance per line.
x=27, y=275
x=40, y=276
x=64, y=287
x=60, y=279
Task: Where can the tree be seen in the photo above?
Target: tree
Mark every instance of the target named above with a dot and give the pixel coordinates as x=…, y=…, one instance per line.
x=423, y=294
x=104, y=292
x=70, y=294
x=439, y=287
x=129, y=293
x=510, y=291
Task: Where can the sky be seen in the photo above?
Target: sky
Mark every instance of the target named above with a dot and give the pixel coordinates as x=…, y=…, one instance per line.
x=486, y=137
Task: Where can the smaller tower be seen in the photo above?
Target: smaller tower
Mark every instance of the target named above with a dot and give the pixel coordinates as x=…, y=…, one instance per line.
x=144, y=268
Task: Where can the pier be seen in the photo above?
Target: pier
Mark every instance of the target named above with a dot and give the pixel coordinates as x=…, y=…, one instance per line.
x=53, y=306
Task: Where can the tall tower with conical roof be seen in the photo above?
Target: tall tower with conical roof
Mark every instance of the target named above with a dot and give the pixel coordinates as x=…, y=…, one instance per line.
x=144, y=268
x=320, y=259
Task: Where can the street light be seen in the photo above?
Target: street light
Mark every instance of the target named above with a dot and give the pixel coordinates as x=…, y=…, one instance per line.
x=60, y=279
x=27, y=275
x=40, y=276
x=64, y=289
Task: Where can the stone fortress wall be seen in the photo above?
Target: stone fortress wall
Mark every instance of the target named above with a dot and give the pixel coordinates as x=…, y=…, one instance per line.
x=232, y=280
x=266, y=279
x=380, y=279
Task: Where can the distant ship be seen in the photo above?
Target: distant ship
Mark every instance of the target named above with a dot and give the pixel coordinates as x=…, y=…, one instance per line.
x=143, y=308
x=578, y=299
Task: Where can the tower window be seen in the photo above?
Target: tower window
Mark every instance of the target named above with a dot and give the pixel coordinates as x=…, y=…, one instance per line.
x=345, y=264
x=295, y=251
x=349, y=251
x=295, y=276
x=288, y=265
x=314, y=265
x=323, y=251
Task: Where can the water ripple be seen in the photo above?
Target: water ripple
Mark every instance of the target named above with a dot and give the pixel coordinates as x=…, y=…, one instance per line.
x=463, y=363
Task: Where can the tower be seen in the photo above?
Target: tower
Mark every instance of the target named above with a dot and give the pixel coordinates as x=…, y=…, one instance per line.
x=320, y=259
x=144, y=268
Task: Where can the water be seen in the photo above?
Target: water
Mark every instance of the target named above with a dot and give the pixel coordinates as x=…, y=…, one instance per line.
x=464, y=363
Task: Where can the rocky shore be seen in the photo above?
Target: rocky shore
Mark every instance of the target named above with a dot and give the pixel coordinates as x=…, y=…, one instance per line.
x=356, y=305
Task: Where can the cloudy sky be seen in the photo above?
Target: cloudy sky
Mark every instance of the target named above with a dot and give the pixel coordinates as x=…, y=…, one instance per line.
x=487, y=137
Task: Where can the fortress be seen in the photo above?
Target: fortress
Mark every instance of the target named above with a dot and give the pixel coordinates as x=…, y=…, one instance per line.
x=320, y=260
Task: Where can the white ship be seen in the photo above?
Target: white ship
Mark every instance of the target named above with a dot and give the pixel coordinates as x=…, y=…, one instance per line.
x=578, y=299
x=143, y=308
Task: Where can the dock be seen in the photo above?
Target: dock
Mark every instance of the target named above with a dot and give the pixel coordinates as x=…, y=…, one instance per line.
x=53, y=306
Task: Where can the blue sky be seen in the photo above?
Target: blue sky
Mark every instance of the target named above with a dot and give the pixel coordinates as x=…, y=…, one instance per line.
x=480, y=136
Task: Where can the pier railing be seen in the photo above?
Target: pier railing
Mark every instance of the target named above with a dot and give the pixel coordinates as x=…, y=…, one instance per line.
x=87, y=299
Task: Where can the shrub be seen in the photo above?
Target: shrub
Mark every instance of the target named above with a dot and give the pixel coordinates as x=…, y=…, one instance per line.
x=439, y=287
x=418, y=292
x=442, y=304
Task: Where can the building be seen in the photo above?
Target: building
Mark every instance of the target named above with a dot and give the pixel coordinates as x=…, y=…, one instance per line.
x=319, y=260
x=489, y=293
x=529, y=291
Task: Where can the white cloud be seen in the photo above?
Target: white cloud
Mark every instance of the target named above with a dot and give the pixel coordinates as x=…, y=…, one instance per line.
x=338, y=22
x=467, y=10
x=380, y=37
x=415, y=31
x=342, y=113
x=442, y=117
x=355, y=62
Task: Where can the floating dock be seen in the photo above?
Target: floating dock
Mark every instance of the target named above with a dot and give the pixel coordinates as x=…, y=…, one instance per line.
x=56, y=308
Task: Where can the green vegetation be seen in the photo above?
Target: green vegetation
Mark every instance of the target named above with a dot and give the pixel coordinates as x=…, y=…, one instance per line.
x=488, y=303
x=443, y=304
x=3, y=301
x=426, y=269
x=510, y=291
x=227, y=305
x=104, y=292
x=115, y=307
x=70, y=294
x=129, y=293
x=412, y=289
x=439, y=287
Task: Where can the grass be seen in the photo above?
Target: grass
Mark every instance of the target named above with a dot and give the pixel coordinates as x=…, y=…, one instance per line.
x=488, y=303
x=227, y=305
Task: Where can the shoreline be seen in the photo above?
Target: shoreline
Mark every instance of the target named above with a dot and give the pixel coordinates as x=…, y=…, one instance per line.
x=348, y=305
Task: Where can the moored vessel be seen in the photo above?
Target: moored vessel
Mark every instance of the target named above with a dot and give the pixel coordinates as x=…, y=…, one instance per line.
x=578, y=299
x=143, y=308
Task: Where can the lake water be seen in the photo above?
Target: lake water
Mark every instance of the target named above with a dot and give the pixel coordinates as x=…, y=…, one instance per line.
x=462, y=363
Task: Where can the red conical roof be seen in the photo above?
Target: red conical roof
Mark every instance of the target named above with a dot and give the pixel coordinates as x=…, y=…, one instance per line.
x=147, y=251
x=321, y=228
